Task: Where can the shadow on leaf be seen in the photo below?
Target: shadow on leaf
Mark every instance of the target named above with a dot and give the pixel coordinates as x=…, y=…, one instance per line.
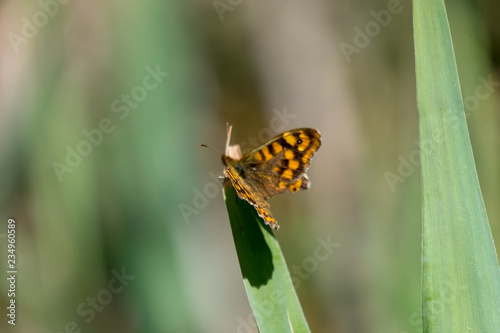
x=254, y=254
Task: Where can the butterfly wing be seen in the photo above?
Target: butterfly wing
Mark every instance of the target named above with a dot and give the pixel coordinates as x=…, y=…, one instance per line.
x=280, y=164
x=248, y=192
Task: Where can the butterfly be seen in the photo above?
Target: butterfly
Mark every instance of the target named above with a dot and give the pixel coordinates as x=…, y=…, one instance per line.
x=276, y=167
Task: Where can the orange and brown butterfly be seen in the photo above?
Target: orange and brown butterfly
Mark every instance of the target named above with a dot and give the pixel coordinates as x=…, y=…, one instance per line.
x=277, y=166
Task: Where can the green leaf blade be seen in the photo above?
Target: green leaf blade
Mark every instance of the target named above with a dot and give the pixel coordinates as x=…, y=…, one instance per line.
x=460, y=273
x=267, y=281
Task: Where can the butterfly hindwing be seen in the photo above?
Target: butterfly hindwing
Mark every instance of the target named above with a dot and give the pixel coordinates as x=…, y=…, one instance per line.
x=245, y=190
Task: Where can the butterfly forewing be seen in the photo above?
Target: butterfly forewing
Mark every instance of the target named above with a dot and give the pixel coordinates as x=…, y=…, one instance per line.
x=280, y=164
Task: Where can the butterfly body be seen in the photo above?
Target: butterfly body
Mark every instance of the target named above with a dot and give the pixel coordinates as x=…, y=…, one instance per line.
x=276, y=167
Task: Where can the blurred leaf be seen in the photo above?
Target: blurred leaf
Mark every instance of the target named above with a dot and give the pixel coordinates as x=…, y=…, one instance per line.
x=460, y=273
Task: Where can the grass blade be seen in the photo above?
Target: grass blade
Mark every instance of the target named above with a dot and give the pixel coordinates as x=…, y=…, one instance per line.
x=460, y=273
x=267, y=281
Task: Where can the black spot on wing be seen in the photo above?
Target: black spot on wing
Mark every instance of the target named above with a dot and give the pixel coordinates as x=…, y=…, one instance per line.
x=271, y=149
x=259, y=156
x=284, y=144
x=284, y=163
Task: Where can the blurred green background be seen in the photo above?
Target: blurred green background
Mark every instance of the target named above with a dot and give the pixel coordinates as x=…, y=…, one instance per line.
x=121, y=225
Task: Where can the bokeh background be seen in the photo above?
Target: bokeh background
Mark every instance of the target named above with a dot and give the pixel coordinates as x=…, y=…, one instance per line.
x=103, y=105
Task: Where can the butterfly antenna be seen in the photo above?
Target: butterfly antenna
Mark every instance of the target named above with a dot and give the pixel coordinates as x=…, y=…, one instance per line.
x=229, y=128
x=206, y=146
